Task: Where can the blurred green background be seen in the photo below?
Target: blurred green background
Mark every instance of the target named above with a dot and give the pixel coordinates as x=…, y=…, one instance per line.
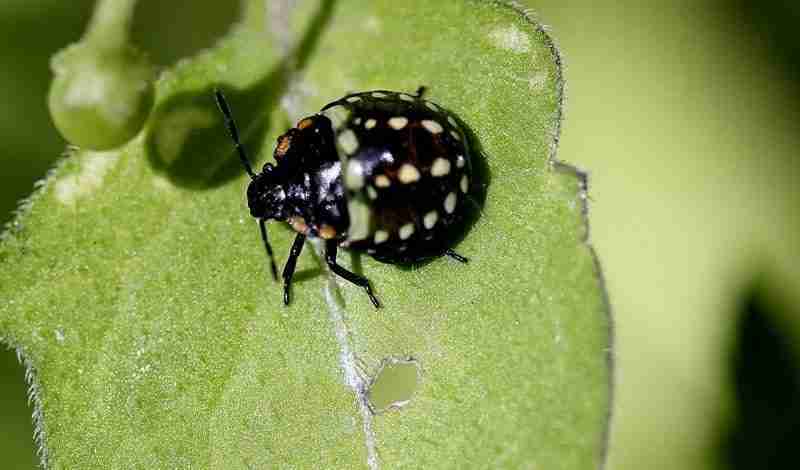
x=686, y=116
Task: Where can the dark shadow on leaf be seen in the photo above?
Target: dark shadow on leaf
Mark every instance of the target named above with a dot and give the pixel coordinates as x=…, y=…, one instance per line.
x=306, y=274
x=356, y=262
x=169, y=31
x=765, y=374
x=19, y=449
x=186, y=139
x=770, y=27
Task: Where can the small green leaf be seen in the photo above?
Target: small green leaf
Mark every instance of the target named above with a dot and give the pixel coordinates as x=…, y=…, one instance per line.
x=136, y=286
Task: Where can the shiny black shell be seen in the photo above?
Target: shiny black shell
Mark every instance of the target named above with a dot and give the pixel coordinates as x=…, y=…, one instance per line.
x=406, y=172
x=382, y=172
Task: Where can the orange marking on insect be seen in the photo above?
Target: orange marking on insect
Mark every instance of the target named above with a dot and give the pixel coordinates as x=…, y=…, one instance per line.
x=305, y=123
x=327, y=232
x=298, y=224
x=284, y=142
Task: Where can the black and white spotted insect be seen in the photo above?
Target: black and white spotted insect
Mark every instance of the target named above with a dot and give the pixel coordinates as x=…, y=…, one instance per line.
x=382, y=172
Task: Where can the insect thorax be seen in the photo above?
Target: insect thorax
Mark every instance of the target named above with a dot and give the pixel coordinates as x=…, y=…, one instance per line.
x=305, y=187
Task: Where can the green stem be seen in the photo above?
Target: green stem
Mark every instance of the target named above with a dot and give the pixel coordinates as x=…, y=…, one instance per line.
x=111, y=23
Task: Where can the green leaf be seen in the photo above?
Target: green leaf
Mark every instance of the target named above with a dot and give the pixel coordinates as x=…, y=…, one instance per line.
x=136, y=287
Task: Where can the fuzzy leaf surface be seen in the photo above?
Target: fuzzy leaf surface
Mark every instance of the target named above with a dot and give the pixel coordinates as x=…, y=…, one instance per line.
x=135, y=282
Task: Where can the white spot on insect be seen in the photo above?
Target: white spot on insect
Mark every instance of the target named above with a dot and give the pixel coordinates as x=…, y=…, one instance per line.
x=370, y=123
x=432, y=106
x=398, y=122
x=455, y=135
x=511, y=39
x=338, y=115
x=90, y=177
x=406, y=97
x=372, y=193
x=353, y=99
x=387, y=157
x=354, y=177
x=452, y=121
x=464, y=184
x=382, y=181
x=460, y=161
x=379, y=94
x=430, y=219
x=359, y=219
x=357, y=121
x=406, y=231
x=432, y=126
x=348, y=141
x=408, y=173
x=328, y=175
x=450, y=203
x=441, y=167
x=380, y=236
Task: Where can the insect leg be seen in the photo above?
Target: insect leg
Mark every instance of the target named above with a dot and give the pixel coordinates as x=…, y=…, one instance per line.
x=262, y=225
x=455, y=256
x=330, y=258
x=421, y=91
x=288, y=270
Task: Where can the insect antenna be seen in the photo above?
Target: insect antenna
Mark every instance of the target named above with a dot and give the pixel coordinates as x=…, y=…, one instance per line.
x=222, y=104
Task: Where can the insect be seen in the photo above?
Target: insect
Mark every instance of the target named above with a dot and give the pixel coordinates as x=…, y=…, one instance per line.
x=381, y=172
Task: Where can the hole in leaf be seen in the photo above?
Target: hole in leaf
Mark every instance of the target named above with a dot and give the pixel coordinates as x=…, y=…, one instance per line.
x=393, y=385
x=16, y=429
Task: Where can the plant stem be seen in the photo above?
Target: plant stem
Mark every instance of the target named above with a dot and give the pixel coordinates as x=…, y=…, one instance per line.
x=110, y=25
